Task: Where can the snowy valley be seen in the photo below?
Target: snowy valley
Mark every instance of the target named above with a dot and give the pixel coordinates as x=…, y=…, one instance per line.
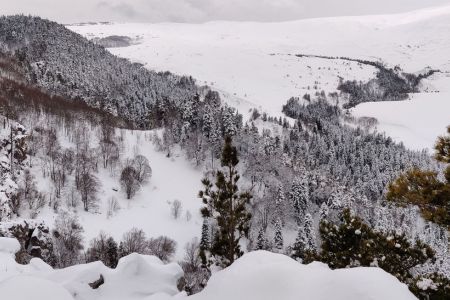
x=104, y=156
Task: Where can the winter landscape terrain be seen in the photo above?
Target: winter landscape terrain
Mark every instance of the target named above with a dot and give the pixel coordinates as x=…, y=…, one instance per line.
x=254, y=64
x=103, y=154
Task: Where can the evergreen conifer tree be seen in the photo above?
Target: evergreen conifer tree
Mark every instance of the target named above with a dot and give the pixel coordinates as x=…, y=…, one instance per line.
x=279, y=204
x=278, y=238
x=112, y=252
x=425, y=189
x=204, y=242
x=299, y=197
x=323, y=211
x=309, y=233
x=298, y=249
x=354, y=243
x=227, y=206
x=261, y=242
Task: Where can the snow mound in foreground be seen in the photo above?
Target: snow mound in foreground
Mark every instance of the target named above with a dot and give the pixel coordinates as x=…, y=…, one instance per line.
x=136, y=277
x=8, y=246
x=28, y=287
x=257, y=275
x=267, y=276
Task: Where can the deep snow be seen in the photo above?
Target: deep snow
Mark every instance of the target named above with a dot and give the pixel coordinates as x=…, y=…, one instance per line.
x=258, y=275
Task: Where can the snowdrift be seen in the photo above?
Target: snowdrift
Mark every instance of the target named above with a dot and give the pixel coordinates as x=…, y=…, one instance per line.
x=258, y=275
x=136, y=277
x=267, y=276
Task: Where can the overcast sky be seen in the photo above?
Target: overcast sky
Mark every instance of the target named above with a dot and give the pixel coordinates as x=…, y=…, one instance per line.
x=70, y=11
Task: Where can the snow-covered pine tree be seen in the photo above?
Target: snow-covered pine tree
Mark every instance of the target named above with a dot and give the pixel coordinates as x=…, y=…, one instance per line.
x=205, y=240
x=299, y=247
x=335, y=200
x=278, y=237
x=323, y=211
x=261, y=241
x=280, y=200
x=299, y=197
x=229, y=121
x=112, y=250
x=310, y=237
x=354, y=243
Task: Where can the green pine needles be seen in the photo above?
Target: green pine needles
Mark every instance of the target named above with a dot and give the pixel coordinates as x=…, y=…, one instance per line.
x=226, y=209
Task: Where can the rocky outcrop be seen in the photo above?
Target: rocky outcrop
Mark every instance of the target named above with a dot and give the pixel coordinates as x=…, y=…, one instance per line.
x=34, y=238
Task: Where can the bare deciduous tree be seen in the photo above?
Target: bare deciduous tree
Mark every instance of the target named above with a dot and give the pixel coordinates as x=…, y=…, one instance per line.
x=142, y=167
x=133, y=241
x=195, y=276
x=109, y=152
x=162, y=247
x=129, y=181
x=88, y=187
x=67, y=239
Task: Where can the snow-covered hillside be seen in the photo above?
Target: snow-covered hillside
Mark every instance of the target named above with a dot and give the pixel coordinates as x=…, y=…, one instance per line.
x=256, y=276
x=253, y=64
x=172, y=179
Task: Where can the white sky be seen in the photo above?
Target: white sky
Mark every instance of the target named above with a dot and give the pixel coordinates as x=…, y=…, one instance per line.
x=69, y=11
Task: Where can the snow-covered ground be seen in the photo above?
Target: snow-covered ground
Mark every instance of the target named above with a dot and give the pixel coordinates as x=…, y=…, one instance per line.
x=257, y=275
x=172, y=179
x=417, y=121
x=253, y=64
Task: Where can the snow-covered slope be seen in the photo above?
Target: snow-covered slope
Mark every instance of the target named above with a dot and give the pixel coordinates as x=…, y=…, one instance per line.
x=172, y=179
x=253, y=64
x=418, y=121
x=256, y=276
x=415, y=122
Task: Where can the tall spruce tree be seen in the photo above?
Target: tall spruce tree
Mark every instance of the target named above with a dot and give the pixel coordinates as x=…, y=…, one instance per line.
x=112, y=252
x=299, y=197
x=204, y=242
x=227, y=206
x=298, y=249
x=261, y=242
x=323, y=211
x=278, y=238
x=309, y=233
x=279, y=204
